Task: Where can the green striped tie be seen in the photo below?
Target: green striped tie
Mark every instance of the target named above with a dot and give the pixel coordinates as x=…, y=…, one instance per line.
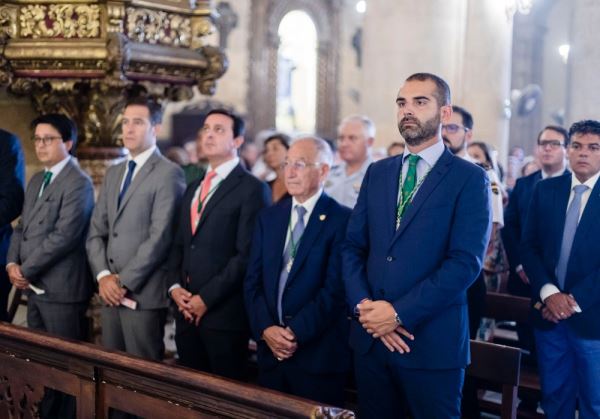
x=411, y=180
x=47, y=178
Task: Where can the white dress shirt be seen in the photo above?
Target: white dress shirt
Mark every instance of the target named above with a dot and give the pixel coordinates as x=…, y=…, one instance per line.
x=309, y=206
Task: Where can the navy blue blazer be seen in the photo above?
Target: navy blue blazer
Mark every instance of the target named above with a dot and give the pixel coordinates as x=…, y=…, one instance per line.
x=542, y=240
x=514, y=223
x=12, y=192
x=425, y=267
x=313, y=300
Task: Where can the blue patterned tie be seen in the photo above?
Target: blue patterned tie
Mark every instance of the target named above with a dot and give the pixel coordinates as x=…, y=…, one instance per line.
x=130, y=169
x=287, y=255
x=571, y=221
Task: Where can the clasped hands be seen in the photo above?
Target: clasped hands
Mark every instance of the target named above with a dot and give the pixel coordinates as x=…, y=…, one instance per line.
x=281, y=341
x=379, y=320
x=559, y=306
x=16, y=276
x=110, y=290
x=192, y=307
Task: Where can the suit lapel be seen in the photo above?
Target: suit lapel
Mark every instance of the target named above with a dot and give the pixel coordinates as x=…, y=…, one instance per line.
x=434, y=177
x=560, y=201
x=317, y=220
x=137, y=181
x=275, y=240
x=33, y=202
x=49, y=191
x=187, y=213
x=226, y=185
x=392, y=187
x=589, y=217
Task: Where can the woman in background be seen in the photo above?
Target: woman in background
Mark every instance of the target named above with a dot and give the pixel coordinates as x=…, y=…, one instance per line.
x=276, y=147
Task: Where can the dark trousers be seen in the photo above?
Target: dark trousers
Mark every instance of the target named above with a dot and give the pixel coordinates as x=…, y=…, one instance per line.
x=221, y=352
x=66, y=320
x=288, y=377
x=388, y=390
x=5, y=287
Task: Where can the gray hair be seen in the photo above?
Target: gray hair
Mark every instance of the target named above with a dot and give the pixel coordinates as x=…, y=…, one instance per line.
x=365, y=121
x=324, y=153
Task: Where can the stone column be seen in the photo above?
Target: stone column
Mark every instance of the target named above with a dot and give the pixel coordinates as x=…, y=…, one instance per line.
x=583, y=101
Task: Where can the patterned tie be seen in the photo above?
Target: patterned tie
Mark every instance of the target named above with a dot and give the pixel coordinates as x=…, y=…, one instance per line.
x=198, y=203
x=411, y=180
x=46, y=182
x=288, y=257
x=130, y=168
x=571, y=221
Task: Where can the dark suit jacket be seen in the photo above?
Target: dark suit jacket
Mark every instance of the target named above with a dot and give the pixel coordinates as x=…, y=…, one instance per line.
x=313, y=300
x=514, y=223
x=216, y=256
x=12, y=175
x=425, y=267
x=49, y=241
x=542, y=240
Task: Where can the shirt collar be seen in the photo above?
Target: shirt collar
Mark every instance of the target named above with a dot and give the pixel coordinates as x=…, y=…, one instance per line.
x=590, y=183
x=141, y=158
x=224, y=169
x=309, y=204
x=555, y=174
x=58, y=167
x=431, y=154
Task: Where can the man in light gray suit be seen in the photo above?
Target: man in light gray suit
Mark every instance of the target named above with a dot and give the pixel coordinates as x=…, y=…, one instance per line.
x=130, y=235
x=46, y=253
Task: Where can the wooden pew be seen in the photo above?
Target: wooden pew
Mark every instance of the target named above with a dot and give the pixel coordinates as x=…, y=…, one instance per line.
x=506, y=307
x=497, y=367
x=102, y=379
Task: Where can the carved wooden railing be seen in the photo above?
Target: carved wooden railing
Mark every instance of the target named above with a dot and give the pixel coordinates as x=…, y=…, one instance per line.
x=101, y=379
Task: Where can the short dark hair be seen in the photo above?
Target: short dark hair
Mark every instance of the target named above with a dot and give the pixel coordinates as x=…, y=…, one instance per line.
x=442, y=93
x=281, y=137
x=556, y=128
x=154, y=107
x=63, y=124
x=239, y=126
x=466, y=116
x=587, y=126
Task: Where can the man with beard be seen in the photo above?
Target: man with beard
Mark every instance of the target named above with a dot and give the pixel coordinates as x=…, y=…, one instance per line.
x=414, y=245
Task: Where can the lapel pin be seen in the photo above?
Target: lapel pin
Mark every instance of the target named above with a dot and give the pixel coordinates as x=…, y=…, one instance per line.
x=322, y=217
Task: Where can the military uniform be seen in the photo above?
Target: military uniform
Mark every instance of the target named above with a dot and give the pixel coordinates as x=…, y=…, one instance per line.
x=344, y=188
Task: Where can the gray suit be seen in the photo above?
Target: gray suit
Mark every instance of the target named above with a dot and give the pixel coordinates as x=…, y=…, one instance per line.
x=48, y=243
x=133, y=240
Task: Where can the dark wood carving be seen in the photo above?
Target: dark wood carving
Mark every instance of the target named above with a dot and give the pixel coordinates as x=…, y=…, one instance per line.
x=101, y=379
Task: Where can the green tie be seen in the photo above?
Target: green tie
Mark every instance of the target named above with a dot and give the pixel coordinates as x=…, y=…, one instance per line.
x=409, y=183
x=47, y=178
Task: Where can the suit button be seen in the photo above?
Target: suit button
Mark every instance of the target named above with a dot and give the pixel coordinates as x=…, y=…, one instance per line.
x=192, y=246
x=382, y=292
x=111, y=261
x=24, y=239
x=115, y=235
x=389, y=258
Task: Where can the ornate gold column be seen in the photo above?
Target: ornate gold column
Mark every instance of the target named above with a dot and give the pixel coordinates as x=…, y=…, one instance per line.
x=79, y=57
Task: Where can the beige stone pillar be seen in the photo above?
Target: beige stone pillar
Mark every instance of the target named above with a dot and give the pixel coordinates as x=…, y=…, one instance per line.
x=584, y=60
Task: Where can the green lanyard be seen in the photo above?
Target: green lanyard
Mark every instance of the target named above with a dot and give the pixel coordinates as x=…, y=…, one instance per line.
x=208, y=195
x=293, y=246
x=403, y=203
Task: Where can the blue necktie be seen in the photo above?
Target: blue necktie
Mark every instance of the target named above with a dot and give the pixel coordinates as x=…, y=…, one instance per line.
x=571, y=221
x=130, y=169
x=289, y=254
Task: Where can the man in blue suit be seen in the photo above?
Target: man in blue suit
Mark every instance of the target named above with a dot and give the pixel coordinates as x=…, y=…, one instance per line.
x=415, y=243
x=551, y=151
x=293, y=289
x=12, y=176
x=562, y=259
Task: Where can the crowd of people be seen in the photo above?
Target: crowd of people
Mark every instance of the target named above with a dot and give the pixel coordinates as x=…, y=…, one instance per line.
x=375, y=266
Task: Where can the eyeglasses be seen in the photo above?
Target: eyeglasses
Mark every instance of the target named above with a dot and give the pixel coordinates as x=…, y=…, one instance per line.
x=44, y=140
x=592, y=148
x=554, y=144
x=299, y=165
x=453, y=128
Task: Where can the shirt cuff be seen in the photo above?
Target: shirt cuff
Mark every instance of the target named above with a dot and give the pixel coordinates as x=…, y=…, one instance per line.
x=172, y=287
x=8, y=265
x=519, y=268
x=102, y=274
x=548, y=290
